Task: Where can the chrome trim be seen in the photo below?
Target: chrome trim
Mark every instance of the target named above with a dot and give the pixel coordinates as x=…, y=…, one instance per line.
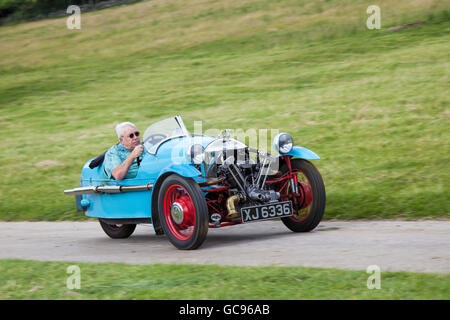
x=108, y=189
x=142, y=187
x=181, y=124
x=177, y=213
x=266, y=174
x=236, y=179
x=277, y=142
x=161, y=142
x=81, y=190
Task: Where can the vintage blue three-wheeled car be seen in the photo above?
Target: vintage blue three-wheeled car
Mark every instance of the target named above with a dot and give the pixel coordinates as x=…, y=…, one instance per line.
x=188, y=183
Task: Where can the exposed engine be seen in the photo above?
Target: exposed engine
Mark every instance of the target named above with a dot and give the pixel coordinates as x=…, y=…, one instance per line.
x=244, y=171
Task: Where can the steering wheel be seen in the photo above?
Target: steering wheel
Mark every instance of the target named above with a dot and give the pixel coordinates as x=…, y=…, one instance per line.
x=155, y=138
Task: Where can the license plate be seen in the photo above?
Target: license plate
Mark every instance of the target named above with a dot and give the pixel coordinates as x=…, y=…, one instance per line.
x=266, y=211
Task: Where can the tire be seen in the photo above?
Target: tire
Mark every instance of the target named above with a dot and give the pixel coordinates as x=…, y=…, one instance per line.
x=306, y=218
x=117, y=231
x=183, y=212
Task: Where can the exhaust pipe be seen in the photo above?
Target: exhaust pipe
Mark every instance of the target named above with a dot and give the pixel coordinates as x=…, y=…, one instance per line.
x=107, y=189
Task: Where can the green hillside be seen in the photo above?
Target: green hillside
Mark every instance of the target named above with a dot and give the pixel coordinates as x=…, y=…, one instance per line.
x=373, y=104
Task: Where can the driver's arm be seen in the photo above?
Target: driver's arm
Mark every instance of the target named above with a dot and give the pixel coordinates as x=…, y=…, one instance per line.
x=121, y=170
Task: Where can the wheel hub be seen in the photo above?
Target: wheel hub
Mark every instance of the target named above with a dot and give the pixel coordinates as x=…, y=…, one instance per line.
x=307, y=194
x=177, y=213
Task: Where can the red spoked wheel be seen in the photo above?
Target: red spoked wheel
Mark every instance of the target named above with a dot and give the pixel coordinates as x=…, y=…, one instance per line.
x=183, y=212
x=308, y=200
x=179, y=212
x=301, y=201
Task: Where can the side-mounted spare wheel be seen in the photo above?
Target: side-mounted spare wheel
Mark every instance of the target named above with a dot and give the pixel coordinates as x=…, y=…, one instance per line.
x=183, y=212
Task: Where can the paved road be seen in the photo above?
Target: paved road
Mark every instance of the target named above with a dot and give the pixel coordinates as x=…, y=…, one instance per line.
x=392, y=245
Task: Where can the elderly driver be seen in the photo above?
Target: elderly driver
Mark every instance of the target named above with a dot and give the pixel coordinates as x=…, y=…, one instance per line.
x=121, y=160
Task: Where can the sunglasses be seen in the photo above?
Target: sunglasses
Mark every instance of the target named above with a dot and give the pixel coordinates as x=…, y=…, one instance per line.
x=134, y=134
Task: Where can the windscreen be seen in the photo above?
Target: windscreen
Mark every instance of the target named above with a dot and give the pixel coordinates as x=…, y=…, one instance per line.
x=163, y=130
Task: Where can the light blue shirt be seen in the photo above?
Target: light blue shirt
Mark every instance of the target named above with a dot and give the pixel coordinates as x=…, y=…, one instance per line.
x=114, y=158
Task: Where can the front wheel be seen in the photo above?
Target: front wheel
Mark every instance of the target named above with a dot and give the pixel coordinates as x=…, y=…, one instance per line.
x=309, y=202
x=183, y=212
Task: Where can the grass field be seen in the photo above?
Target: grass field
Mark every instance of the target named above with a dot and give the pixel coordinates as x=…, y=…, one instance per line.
x=373, y=104
x=21, y=279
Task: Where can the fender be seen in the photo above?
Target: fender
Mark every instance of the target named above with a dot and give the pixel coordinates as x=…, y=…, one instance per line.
x=301, y=152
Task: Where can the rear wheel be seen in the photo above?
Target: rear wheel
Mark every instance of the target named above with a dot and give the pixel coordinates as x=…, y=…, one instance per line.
x=117, y=231
x=309, y=203
x=183, y=212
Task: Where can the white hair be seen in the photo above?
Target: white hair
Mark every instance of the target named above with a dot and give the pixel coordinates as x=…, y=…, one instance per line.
x=121, y=126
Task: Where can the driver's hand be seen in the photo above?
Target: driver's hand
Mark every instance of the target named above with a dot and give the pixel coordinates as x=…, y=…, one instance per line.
x=137, y=151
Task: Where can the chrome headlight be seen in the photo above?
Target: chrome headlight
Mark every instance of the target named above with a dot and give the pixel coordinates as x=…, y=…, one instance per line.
x=197, y=153
x=283, y=142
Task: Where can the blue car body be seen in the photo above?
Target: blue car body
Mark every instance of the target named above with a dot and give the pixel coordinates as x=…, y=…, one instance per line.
x=166, y=157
